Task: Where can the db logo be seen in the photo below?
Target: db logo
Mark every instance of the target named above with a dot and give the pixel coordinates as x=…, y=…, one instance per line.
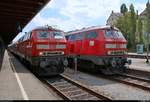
x=91, y=43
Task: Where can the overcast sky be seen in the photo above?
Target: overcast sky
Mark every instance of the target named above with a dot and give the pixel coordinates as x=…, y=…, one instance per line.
x=74, y=14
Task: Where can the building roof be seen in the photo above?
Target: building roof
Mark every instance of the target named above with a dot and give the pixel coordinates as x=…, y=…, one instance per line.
x=113, y=15
x=16, y=14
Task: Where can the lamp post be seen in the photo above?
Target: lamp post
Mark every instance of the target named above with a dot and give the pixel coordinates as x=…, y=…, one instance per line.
x=147, y=61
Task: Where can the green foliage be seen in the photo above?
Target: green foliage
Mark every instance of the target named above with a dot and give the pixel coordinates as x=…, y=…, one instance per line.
x=123, y=9
x=131, y=26
x=148, y=18
x=139, y=30
x=132, y=19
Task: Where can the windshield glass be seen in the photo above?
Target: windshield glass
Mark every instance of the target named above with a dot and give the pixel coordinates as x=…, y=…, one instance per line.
x=58, y=35
x=49, y=34
x=113, y=34
x=42, y=34
x=108, y=34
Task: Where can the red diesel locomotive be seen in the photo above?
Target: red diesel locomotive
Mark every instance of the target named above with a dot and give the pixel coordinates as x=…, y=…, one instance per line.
x=44, y=48
x=103, y=48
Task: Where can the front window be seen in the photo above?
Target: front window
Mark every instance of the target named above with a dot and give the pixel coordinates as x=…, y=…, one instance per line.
x=120, y=35
x=49, y=34
x=113, y=34
x=58, y=35
x=108, y=34
x=42, y=34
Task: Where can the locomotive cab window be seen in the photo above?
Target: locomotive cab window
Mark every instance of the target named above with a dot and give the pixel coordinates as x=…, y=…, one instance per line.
x=119, y=34
x=108, y=34
x=113, y=34
x=58, y=35
x=91, y=35
x=42, y=34
x=79, y=36
x=72, y=37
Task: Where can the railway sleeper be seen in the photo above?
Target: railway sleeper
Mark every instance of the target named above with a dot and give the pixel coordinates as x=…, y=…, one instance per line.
x=63, y=86
x=68, y=88
x=82, y=96
x=75, y=92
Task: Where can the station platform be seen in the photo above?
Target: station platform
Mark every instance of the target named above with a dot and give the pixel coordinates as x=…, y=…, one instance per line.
x=18, y=83
x=140, y=64
x=131, y=53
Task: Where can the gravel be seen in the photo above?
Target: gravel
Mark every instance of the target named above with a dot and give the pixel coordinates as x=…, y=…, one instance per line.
x=114, y=90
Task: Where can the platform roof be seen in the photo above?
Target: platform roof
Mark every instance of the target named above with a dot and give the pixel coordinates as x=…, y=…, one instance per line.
x=17, y=12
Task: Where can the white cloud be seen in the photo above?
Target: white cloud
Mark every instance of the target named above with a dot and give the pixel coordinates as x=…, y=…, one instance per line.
x=81, y=12
x=140, y=7
x=61, y=24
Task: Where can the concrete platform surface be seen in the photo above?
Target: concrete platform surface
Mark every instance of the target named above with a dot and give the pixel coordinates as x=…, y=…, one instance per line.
x=17, y=83
x=144, y=54
x=139, y=64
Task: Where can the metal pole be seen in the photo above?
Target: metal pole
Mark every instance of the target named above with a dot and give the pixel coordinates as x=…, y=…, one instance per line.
x=75, y=62
x=147, y=61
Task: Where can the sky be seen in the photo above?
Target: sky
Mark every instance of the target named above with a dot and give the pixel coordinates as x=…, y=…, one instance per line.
x=69, y=15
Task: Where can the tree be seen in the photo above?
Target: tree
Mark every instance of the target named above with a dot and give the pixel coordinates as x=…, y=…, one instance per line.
x=139, y=26
x=123, y=9
x=148, y=17
x=139, y=29
x=132, y=25
x=123, y=24
x=147, y=27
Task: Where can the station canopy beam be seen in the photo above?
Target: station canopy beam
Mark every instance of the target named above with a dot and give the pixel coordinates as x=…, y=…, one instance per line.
x=14, y=12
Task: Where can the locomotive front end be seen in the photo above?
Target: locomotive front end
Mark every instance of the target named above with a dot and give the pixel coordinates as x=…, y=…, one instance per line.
x=116, y=50
x=51, y=51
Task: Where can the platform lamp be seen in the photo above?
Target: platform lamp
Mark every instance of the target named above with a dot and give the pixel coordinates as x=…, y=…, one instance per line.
x=148, y=34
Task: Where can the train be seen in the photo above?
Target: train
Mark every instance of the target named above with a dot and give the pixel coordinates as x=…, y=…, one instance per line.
x=44, y=48
x=102, y=48
x=49, y=51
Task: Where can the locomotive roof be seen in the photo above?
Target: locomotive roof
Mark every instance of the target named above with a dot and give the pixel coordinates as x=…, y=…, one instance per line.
x=46, y=28
x=90, y=28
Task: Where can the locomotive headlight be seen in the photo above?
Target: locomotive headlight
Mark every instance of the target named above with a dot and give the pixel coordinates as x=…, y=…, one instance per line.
x=63, y=53
x=40, y=53
x=109, y=52
x=125, y=52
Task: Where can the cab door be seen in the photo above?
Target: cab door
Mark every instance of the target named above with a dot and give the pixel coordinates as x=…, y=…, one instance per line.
x=78, y=43
x=91, y=42
x=71, y=44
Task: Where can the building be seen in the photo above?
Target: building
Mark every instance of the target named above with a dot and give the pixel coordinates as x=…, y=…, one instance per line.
x=113, y=18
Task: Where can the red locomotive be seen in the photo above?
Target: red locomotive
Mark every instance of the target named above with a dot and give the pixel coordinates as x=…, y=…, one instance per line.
x=103, y=48
x=44, y=48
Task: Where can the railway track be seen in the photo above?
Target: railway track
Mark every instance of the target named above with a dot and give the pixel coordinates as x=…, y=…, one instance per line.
x=139, y=73
x=142, y=83
x=69, y=89
x=134, y=81
x=139, y=81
